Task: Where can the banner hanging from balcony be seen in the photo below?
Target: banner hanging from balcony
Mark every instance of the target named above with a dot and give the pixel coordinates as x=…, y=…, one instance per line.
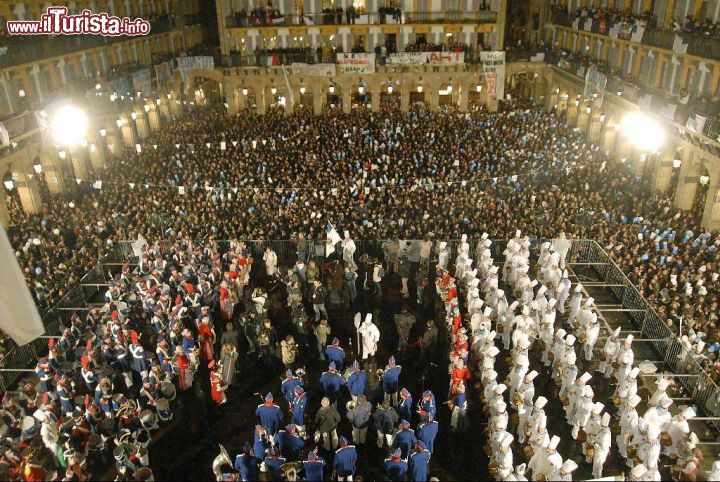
x=432, y=58
x=493, y=65
x=356, y=63
x=595, y=83
x=192, y=63
x=313, y=70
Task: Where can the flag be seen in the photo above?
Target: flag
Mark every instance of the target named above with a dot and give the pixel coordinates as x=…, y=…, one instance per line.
x=334, y=238
x=20, y=318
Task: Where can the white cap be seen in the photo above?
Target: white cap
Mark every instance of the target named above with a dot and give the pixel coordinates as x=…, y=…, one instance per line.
x=589, y=301
x=616, y=332
x=565, y=274
x=689, y=412
x=500, y=406
x=545, y=245
x=443, y=244
x=491, y=375
x=474, y=282
x=588, y=391
x=569, y=466
x=506, y=440
x=571, y=358
x=493, y=351
x=487, y=311
x=518, y=233
x=666, y=402
x=500, y=389
x=605, y=421
x=520, y=469
x=560, y=333
x=525, y=310
x=554, y=441
x=484, y=236
x=533, y=283
x=634, y=372
x=552, y=302
x=662, y=383
x=633, y=401
x=542, y=290
x=500, y=293
x=629, y=339
x=531, y=376
x=540, y=402
x=542, y=420
x=368, y=318
x=578, y=288
x=463, y=238
x=585, y=377
x=597, y=408
x=570, y=340
x=346, y=233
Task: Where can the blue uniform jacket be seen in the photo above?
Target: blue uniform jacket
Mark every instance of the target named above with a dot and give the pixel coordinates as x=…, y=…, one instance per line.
x=273, y=464
x=419, y=463
x=288, y=388
x=331, y=383
x=260, y=444
x=345, y=460
x=396, y=469
x=298, y=409
x=314, y=470
x=428, y=407
x=427, y=434
x=289, y=444
x=247, y=465
x=270, y=416
x=390, y=379
x=405, y=409
x=405, y=440
x=337, y=355
x=357, y=383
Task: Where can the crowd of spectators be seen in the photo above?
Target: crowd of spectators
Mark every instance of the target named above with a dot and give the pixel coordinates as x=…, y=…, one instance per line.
x=400, y=174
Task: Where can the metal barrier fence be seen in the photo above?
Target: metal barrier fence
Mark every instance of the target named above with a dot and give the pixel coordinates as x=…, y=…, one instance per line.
x=678, y=360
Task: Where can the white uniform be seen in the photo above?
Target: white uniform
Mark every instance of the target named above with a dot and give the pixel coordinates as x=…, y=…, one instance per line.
x=602, y=447
x=370, y=337
x=270, y=259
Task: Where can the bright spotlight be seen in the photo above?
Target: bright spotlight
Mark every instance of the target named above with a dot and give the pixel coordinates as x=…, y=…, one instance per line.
x=643, y=131
x=69, y=125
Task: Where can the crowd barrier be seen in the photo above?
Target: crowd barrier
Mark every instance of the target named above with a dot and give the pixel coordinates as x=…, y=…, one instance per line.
x=80, y=297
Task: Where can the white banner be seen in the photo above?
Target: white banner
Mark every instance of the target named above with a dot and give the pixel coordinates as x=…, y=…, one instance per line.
x=20, y=318
x=197, y=62
x=696, y=122
x=433, y=58
x=356, y=63
x=494, y=69
x=314, y=70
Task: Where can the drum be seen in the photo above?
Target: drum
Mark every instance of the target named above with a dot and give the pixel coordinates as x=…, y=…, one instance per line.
x=107, y=427
x=665, y=439
x=565, y=400
x=582, y=436
x=631, y=451
x=95, y=442
x=487, y=451
x=616, y=365
x=162, y=404
x=616, y=400
x=143, y=438
x=558, y=382
x=637, y=461
x=551, y=356
x=168, y=390
x=601, y=356
x=492, y=470
x=615, y=429
x=528, y=451
x=143, y=474
x=590, y=452
x=582, y=338
x=517, y=399
x=515, y=419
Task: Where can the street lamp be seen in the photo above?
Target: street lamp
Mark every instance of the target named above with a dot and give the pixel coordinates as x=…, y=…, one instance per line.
x=37, y=166
x=644, y=132
x=390, y=89
x=419, y=89
x=478, y=88
x=69, y=125
x=273, y=90
x=8, y=181
x=302, y=90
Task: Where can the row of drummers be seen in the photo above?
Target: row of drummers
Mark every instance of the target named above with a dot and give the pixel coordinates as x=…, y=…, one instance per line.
x=646, y=437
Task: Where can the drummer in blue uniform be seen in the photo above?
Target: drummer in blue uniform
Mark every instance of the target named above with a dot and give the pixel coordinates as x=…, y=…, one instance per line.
x=404, y=439
x=299, y=404
x=396, y=467
x=287, y=387
x=289, y=442
x=357, y=382
x=273, y=462
x=314, y=467
x=390, y=380
x=261, y=442
x=345, y=461
x=270, y=415
x=427, y=407
x=405, y=408
x=419, y=463
x=331, y=381
x=247, y=464
x=427, y=433
x=336, y=354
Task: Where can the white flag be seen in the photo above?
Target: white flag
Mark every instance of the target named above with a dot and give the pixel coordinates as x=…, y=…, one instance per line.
x=20, y=318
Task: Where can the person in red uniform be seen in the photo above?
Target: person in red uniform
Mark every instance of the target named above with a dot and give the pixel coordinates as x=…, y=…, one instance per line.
x=458, y=376
x=206, y=335
x=182, y=367
x=217, y=386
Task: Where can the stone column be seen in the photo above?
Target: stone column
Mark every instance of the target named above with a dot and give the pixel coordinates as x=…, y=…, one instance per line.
x=290, y=102
x=153, y=117
x=77, y=157
x=711, y=214
x=687, y=185
x=346, y=99
x=29, y=193
x=663, y=171
x=405, y=96
x=141, y=124
x=463, y=95
x=318, y=93
x=261, y=99
x=96, y=151
x=375, y=98
x=500, y=25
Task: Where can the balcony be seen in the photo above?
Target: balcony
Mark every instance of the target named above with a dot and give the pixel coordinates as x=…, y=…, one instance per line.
x=387, y=17
x=17, y=50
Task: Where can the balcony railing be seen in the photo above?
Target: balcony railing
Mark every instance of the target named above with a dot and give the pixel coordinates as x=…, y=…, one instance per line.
x=376, y=18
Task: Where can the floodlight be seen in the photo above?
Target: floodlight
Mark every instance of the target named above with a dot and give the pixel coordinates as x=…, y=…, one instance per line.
x=245, y=91
x=390, y=89
x=147, y=108
x=21, y=93
x=643, y=131
x=69, y=125
x=8, y=181
x=302, y=90
x=331, y=89
x=273, y=90
x=133, y=115
x=419, y=89
x=449, y=89
x=478, y=88
x=361, y=89
x=37, y=166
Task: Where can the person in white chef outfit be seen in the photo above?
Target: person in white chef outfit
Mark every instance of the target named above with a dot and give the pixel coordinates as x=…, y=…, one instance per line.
x=603, y=441
x=348, y=247
x=370, y=337
x=561, y=245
